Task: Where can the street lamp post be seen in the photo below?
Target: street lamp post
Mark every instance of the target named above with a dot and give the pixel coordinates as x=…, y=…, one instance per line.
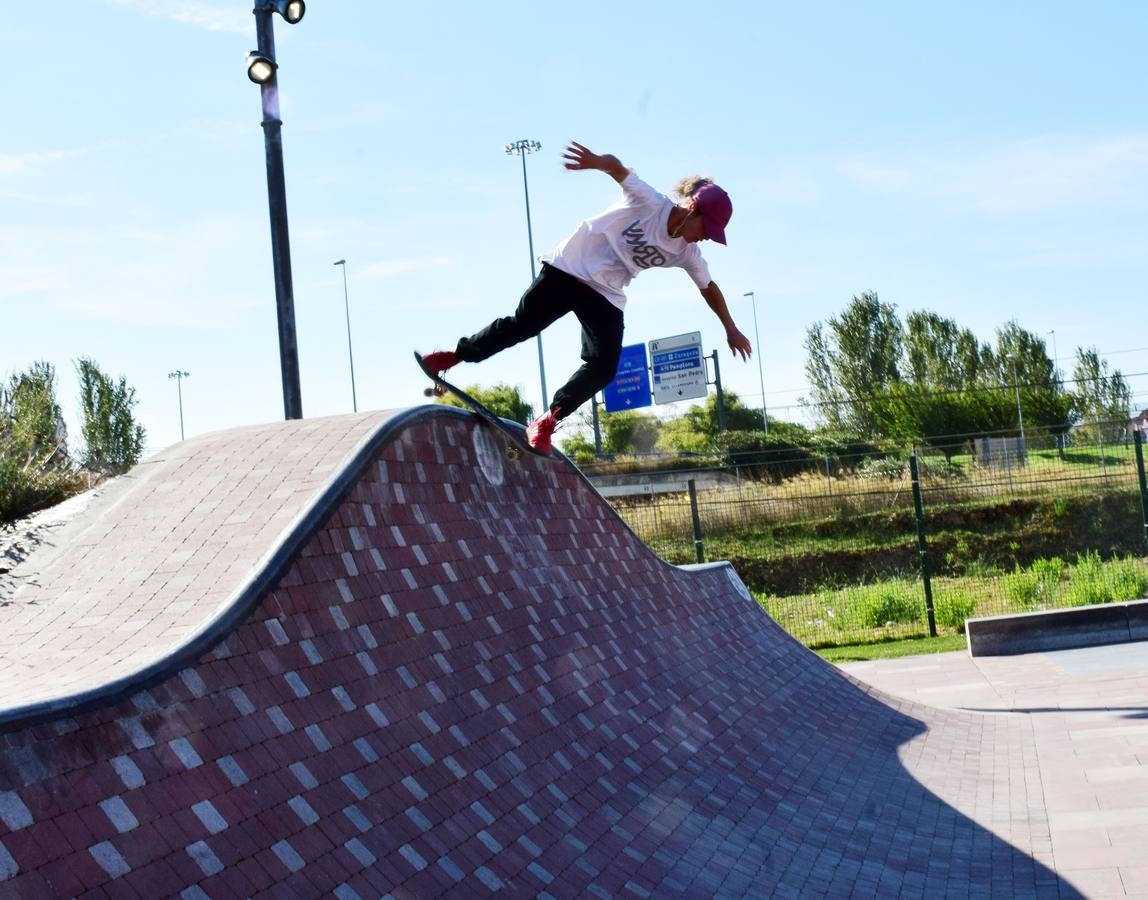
x=262, y=69
x=522, y=148
x=179, y=376
x=1019, y=412
x=757, y=347
x=1056, y=387
x=350, y=355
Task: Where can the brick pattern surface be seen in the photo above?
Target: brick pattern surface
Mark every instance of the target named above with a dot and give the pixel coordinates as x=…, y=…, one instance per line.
x=1088, y=710
x=474, y=680
x=165, y=550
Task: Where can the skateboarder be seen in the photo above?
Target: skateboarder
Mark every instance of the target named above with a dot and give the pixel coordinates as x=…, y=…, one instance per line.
x=588, y=271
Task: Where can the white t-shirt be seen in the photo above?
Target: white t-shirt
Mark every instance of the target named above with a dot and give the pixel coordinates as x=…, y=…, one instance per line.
x=607, y=251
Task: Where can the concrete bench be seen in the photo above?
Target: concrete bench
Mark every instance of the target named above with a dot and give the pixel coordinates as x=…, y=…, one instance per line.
x=1058, y=629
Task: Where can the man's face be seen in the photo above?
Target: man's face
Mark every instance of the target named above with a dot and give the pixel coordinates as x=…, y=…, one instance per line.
x=693, y=230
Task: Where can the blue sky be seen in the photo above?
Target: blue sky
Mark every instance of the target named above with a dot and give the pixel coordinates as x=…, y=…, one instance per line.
x=987, y=161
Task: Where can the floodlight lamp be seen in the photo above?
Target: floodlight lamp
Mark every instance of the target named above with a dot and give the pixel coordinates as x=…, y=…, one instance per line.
x=260, y=68
x=291, y=10
x=523, y=147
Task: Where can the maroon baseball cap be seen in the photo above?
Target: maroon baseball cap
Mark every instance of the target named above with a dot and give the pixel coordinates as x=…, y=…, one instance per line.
x=714, y=206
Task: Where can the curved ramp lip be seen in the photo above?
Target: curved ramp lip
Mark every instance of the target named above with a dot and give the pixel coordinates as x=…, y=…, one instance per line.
x=233, y=610
x=271, y=567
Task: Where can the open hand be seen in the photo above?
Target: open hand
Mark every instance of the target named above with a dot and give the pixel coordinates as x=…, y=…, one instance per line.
x=739, y=343
x=579, y=157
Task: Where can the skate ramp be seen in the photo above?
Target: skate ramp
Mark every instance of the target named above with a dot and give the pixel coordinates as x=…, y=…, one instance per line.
x=368, y=656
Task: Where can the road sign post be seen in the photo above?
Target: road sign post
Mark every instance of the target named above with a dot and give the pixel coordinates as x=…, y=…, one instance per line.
x=630, y=388
x=678, y=367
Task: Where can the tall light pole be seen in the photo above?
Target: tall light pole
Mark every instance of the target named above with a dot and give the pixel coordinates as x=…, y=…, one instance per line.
x=757, y=347
x=1056, y=387
x=1019, y=413
x=522, y=148
x=262, y=69
x=350, y=355
x=179, y=376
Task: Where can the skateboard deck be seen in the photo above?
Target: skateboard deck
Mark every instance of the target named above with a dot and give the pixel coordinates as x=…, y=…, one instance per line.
x=515, y=438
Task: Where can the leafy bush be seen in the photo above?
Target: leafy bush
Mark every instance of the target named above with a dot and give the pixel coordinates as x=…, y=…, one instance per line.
x=503, y=400
x=1087, y=593
x=579, y=448
x=935, y=468
x=885, y=604
x=884, y=468
x=1022, y=588
x=35, y=471
x=1092, y=581
x=1049, y=570
x=763, y=455
x=952, y=608
x=1129, y=579
x=29, y=482
x=1088, y=566
x=1035, y=587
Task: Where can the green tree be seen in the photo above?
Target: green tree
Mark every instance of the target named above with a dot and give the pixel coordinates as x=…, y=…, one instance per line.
x=1103, y=399
x=695, y=430
x=1019, y=363
x=113, y=440
x=579, y=448
x=826, y=395
x=939, y=354
x=1019, y=357
x=858, y=357
x=33, y=417
x=939, y=419
x=629, y=431
x=35, y=471
x=503, y=400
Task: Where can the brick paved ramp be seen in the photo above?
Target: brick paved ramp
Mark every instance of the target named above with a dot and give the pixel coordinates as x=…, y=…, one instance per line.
x=367, y=655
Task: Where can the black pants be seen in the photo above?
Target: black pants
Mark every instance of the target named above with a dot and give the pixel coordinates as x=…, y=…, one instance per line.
x=552, y=295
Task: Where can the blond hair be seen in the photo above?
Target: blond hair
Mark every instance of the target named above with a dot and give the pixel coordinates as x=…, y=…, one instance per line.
x=689, y=185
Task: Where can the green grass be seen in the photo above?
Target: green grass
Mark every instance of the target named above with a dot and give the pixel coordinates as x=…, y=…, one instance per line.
x=893, y=610
x=834, y=560
x=893, y=649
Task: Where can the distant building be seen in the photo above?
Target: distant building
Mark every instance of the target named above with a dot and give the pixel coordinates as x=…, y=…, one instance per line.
x=1001, y=453
x=1139, y=423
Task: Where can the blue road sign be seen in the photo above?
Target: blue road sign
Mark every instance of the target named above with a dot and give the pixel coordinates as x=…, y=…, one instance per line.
x=679, y=368
x=630, y=388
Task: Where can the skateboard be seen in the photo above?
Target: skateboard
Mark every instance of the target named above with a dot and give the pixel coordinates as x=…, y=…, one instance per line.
x=515, y=438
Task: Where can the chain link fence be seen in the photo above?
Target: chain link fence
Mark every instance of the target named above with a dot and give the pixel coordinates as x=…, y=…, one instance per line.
x=890, y=545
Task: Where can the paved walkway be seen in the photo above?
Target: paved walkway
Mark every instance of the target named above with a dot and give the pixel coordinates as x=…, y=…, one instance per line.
x=1089, y=712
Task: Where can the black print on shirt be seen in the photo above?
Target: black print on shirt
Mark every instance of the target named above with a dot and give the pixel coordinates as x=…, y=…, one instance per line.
x=644, y=255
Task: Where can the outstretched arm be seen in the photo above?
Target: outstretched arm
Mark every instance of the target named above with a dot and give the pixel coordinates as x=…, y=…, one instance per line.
x=579, y=157
x=738, y=342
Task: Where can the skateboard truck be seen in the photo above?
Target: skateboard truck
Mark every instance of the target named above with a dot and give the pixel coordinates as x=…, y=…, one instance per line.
x=516, y=444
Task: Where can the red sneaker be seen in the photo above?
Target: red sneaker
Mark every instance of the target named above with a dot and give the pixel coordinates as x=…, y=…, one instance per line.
x=441, y=360
x=538, y=434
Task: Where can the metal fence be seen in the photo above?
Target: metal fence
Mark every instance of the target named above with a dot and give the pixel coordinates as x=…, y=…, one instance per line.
x=891, y=545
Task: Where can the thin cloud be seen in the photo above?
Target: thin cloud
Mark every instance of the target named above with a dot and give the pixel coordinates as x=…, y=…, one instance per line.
x=395, y=267
x=129, y=274
x=22, y=163
x=1021, y=176
x=229, y=19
